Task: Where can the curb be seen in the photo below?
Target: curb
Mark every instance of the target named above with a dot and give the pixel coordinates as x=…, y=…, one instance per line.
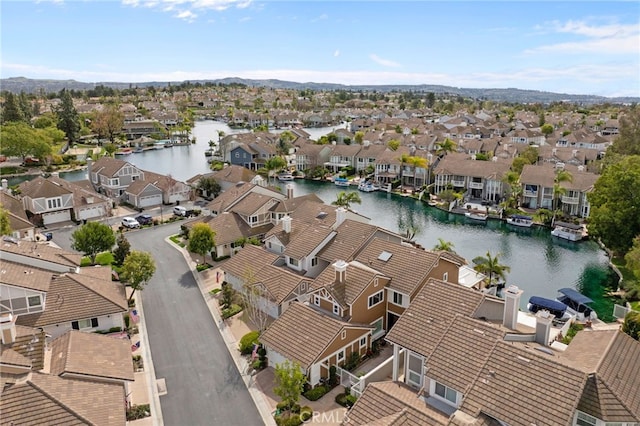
x=241, y=364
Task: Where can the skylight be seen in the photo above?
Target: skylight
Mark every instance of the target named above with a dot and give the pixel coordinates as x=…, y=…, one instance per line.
x=384, y=256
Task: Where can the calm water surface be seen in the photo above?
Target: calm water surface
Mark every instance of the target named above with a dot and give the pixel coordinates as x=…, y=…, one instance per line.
x=540, y=264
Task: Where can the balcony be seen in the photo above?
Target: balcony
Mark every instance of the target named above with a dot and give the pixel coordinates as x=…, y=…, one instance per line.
x=570, y=200
x=476, y=185
x=458, y=183
x=531, y=194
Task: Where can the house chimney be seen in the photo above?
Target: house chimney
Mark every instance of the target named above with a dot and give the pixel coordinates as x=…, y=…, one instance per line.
x=511, y=307
x=5, y=185
x=341, y=271
x=8, y=327
x=286, y=224
x=543, y=327
x=341, y=215
x=289, y=191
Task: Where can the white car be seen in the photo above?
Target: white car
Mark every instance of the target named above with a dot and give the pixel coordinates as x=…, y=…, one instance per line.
x=129, y=222
x=180, y=211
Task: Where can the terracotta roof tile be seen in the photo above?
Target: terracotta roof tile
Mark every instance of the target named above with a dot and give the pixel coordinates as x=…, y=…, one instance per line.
x=278, y=281
x=304, y=243
x=38, y=251
x=249, y=260
x=25, y=276
x=357, y=277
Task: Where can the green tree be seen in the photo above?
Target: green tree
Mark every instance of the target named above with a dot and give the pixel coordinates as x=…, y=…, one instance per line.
x=431, y=100
x=11, y=111
x=632, y=258
x=393, y=144
x=137, y=269
x=615, y=205
x=418, y=162
x=68, y=118
x=631, y=324
x=284, y=142
x=546, y=129
x=531, y=154
x=404, y=158
x=559, y=190
x=111, y=148
x=93, y=238
x=20, y=140
x=444, y=246
x=201, y=240
x=346, y=198
x=359, y=137
x=446, y=146
x=209, y=187
x=289, y=382
x=5, y=225
x=491, y=267
x=273, y=165
x=123, y=248
x=628, y=140
x=108, y=122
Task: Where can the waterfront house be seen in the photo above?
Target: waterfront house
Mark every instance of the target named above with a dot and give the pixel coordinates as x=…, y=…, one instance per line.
x=54, y=200
x=331, y=343
x=111, y=176
x=538, y=183
x=21, y=227
x=342, y=156
x=368, y=155
x=480, y=180
x=309, y=156
x=138, y=128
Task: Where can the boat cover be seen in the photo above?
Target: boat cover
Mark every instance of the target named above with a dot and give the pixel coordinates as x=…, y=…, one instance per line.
x=520, y=216
x=550, y=304
x=568, y=226
x=575, y=296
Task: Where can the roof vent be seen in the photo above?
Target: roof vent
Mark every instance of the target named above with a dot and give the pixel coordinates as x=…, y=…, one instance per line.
x=384, y=256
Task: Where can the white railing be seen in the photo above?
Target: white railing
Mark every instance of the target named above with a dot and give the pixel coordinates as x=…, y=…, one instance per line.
x=476, y=185
x=351, y=381
x=620, y=311
x=570, y=200
x=457, y=182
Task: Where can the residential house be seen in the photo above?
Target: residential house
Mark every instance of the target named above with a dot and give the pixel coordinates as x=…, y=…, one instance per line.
x=309, y=156
x=21, y=227
x=481, y=180
x=173, y=191
x=138, y=128
x=331, y=343
x=228, y=177
x=111, y=176
x=368, y=155
x=54, y=200
x=538, y=183
x=342, y=156
x=526, y=136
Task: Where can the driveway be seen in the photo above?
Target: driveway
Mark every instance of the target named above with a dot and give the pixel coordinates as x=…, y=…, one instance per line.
x=203, y=384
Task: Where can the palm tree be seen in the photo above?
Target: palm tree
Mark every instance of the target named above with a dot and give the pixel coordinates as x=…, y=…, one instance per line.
x=512, y=179
x=273, y=164
x=404, y=158
x=490, y=266
x=444, y=246
x=558, y=190
x=442, y=148
x=417, y=162
x=345, y=199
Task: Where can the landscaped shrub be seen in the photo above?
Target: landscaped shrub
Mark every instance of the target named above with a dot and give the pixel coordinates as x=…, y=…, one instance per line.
x=247, y=341
x=138, y=412
x=346, y=399
x=316, y=393
x=306, y=413
x=231, y=311
x=352, y=362
x=333, y=378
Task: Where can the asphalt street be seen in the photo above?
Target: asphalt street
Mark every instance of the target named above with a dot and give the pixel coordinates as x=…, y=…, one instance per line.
x=204, y=386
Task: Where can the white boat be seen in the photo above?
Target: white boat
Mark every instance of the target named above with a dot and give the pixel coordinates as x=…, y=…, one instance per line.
x=368, y=186
x=158, y=145
x=124, y=151
x=340, y=181
x=285, y=176
x=554, y=307
x=577, y=304
x=520, y=220
x=477, y=215
x=568, y=231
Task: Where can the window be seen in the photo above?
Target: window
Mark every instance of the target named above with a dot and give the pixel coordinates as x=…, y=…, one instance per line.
x=54, y=203
x=34, y=301
x=237, y=155
x=397, y=298
x=293, y=261
x=363, y=342
x=446, y=392
x=378, y=326
x=445, y=276
x=316, y=300
x=375, y=299
x=86, y=323
x=341, y=355
x=343, y=335
x=336, y=309
x=585, y=419
x=314, y=261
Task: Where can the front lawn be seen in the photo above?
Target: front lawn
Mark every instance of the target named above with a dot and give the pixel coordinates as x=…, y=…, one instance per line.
x=104, y=259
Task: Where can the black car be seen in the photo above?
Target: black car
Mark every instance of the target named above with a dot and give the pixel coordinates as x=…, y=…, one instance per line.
x=144, y=219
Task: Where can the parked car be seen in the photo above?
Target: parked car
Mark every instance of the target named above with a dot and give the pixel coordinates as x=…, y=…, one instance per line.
x=144, y=219
x=129, y=222
x=180, y=211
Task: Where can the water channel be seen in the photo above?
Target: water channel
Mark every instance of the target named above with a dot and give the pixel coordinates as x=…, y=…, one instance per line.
x=540, y=264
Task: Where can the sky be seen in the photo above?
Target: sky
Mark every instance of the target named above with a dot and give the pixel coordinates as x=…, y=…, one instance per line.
x=574, y=47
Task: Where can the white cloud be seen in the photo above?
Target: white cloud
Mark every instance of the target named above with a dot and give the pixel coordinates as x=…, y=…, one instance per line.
x=609, y=80
x=336, y=53
x=605, y=39
x=188, y=5
x=186, y=15
x=384, y=62
x=322, y=17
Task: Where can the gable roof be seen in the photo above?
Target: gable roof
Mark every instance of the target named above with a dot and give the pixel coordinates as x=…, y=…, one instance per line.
x=229, y=227
x=278, y=281
x=41, y=187
x=290, y=336
x=91, y=355
x=108, y=166
x=349, y=239
x=229, y=197
x=73, y=297
x=249, y=260
x=357, y=277
x=430, y=313
x=392, y=403
x=27, y=350
x=25, y=276
x=18, y=219
x=46, y=399
x=408, y=267
x=303, y=243
x=251, y=203
x=234, y=174
x=534, y=398
x=39, y=251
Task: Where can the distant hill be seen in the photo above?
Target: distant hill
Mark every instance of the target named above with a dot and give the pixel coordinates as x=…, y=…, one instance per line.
x=22, y=84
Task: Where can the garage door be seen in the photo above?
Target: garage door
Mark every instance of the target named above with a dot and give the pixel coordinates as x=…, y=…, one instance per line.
x=275, y=358
x=55, y=217
x=151, y=200
x=91, y=212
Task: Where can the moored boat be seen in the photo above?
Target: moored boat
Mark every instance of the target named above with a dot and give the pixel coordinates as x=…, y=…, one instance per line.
x=368, y=186
x=577, y=304
x=520, y=220
x=340, y=181
x=124, y=151
x=554, y=307
x=285, y=176
x=568, y=231
x=477, y=215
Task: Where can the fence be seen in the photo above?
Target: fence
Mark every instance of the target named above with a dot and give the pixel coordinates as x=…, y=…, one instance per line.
x=619, y=312
x=349, y=380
